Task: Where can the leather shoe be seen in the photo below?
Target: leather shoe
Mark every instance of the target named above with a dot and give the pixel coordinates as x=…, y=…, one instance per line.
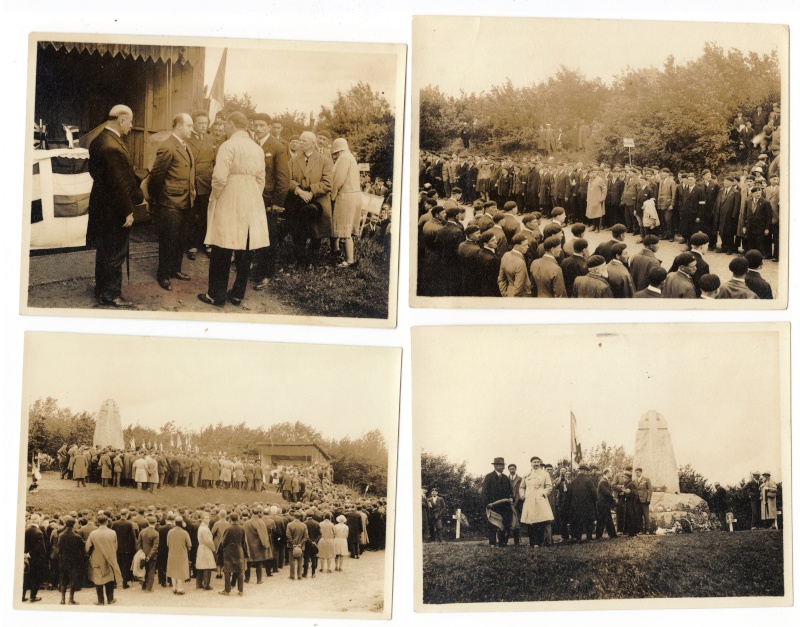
x=165, y=284
x=261, y=285
x=205, y=298
x=181, y=276
x=192, y=254
x=234, y=301
x=114, y=302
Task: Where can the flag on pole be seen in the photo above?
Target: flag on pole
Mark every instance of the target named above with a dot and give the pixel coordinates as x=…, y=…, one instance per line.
x=217, y=96
x=133, y=443
x=171, y=441
x=180, y=443
x=576, y=447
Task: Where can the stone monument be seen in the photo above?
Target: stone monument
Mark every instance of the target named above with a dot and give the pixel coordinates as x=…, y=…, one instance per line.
x=108, y=426
x=654, y=453
x=669, y=509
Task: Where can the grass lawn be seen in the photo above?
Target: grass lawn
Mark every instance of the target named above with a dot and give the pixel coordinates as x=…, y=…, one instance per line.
x=55, y=495
x=714, y=564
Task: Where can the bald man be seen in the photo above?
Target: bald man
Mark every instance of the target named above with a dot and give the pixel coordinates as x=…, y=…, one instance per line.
x=115, y=192
x=172, y=187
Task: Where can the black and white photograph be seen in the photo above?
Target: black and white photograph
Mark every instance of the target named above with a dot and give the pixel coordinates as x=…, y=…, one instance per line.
x=148, y=489
x=194, y=178
x=598, y=160
x=609, y=467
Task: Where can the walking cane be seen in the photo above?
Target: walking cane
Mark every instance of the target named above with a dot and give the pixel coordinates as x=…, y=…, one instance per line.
x=128, y=259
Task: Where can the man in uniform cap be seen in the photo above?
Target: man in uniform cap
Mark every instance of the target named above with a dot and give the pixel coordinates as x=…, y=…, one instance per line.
x=679, y=283
x=498, y=497
x=595, y=284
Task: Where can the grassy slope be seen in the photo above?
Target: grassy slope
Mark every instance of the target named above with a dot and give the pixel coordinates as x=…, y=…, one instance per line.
x=691, y=565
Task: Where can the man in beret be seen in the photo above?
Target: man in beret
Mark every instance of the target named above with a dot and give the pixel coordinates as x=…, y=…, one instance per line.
x=595, y=284
x=679, y=283
x=709, y=286
x=641, y=264
x=446, y=280
x=619, y=278
x=546, y=273
x=655, y=283
x=757, y=219
x=753, y=278
x=736, y=287
x=617, y=236
x=498, y=498
x=699, y=247
x=513, y=279
x=726, y=215
x=276, y=185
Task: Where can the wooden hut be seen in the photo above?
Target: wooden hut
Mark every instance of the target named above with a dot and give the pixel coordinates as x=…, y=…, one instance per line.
x=291, y=454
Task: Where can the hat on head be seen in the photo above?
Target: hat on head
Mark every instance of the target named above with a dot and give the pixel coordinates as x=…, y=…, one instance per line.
x=551, y=242
x=649, y=240
x=339, y=144
x=325, y=134
x=499, y=460
x=617, y=249
x=519, y=238
x=754, y=258
x=739, y=265
x=698, y=239
x=704, y=172
x=618, y=229
x=595, y=260
x=762, y=156
x=509, y=206
x=766, y=473
x=262, y=116
x=628, y=473
x=472, y=228
x=579, y=245
x=341, y=518
x=685, y=259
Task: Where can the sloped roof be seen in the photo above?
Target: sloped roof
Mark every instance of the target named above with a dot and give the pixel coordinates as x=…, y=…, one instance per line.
x=176, y=54
x=314, y=444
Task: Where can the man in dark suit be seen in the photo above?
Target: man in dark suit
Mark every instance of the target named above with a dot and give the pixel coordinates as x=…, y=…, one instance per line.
x=699, y=243
x=163, y=549
x=656, y=276
x=753, y=279
x=641, y=264
x=584, y=500
x=574, y=265
x=276, y=162
x=605, y=501
x=488, y=265
x=126, y=545
x=756, y=221
x=115, y=191
x=707, y=204
x=204, y=150
x=726, y=215
x=690, y=208
x=148, y=543
x=172, y=187
x=468, y=251
x=617, y=236
x=498, y=497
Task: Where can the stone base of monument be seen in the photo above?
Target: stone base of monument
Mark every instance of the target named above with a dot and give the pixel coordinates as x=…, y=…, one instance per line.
x=680, y=513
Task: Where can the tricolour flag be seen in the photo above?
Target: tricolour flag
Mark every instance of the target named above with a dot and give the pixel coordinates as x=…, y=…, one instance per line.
x=576, y=447
x=216, y=98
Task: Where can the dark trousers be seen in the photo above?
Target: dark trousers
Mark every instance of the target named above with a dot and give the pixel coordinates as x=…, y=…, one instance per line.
x=109, y=590
x=199, y=221
x=774, y=238
x=161, y=568
x=125, y=560
x=630, y=218
x=219, y=271
x=756, y=240
x=755, y=513
x=495, y=535
x=69, y=580
x=110, y=254
x=204, y=578
x=174, y=229
x=258, y=566
x=309, y=559
x=604, y=522
x=646, y=517
x=234, y=578
x=581, y=523
x=667, y=228
x=149, y=575
x=537, y=533
x=280, y=548
x=299, y=222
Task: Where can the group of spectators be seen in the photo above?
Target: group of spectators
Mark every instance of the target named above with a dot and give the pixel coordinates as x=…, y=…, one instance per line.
x=490, y=226
x=119, y=546
x=235, y=190
x=762, y=492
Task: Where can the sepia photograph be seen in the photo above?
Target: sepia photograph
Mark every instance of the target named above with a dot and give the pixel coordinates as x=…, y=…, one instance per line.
x=158, y=167
x=641, y=161
x=610, y=467
x=148, y=489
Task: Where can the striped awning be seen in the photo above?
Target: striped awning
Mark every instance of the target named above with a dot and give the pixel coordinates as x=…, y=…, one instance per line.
x=176, y=54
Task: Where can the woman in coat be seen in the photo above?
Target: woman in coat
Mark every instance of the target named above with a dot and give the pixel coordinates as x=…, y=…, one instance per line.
x=205, y=561
x=536, y=512
x=178, y=545
x=340, y=533
x=237, y=221
x=595, y=200
x=346, y=198
x=327, y=550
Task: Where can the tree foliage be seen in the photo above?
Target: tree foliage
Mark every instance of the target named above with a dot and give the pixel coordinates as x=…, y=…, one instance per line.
x=679, y=115
x=456, y=486
x=605, y=455
x=234, y=102
x=364, y=117
x=51, y=426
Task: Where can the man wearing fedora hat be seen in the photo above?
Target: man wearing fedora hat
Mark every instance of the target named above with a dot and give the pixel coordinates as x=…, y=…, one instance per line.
x=497, y=497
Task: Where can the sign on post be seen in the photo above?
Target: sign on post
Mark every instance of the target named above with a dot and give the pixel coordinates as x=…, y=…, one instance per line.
x=363, y=167
x=627, y=142
x=457, y=516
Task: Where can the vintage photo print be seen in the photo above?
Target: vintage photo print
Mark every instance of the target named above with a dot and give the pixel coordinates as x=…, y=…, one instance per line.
x=260, y=483
x=638, y=167
x=203, y=178
x=602, y=467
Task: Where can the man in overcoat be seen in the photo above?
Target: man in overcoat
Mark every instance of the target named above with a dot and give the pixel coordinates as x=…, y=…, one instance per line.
x=233, y=548
x=103, y=568
x=584, y=502
x=498, y=498
x=115, y=192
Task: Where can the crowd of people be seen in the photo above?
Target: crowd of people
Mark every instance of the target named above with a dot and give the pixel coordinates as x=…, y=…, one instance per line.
x=235, y=190
x=555, y=504
x=492, y=226
x=122, y=546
